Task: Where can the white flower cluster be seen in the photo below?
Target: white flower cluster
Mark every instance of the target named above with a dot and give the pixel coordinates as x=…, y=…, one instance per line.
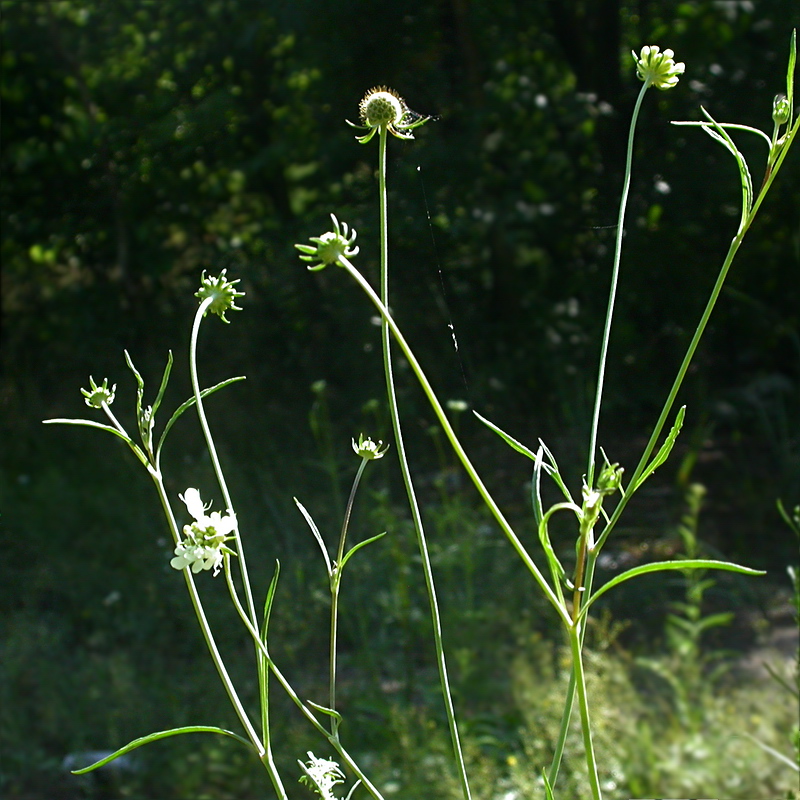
x=203, y=546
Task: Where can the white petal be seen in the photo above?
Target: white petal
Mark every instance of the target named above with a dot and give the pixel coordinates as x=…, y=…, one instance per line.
x=193, y=503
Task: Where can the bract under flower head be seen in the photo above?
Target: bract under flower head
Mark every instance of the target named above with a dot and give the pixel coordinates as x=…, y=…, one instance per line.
x=223, y=294
x=330, y=247
x=203, y=546
x=660, y=69
x=382, y=108
x=369, y=450
x=97, y=396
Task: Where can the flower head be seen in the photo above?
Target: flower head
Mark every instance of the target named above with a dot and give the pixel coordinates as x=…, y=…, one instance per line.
x=658, y=68
x=781, y=110
x=330, y=247
x=382, y=108
x=98, y=396
x=203, y=546
x=222, y=293
x=369, y=450
x=322, y=774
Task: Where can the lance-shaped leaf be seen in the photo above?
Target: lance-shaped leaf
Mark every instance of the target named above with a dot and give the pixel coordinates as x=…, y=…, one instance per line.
x=92, y=424
x=355, y=548
x=551, y=469
x=317, y=535
x=660, y=566
x=154, y=737
x=189, y=403
x=663, y=454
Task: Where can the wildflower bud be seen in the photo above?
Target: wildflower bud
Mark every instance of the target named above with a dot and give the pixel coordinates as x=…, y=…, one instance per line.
x=97, y=396
x=223, y=294
x=610, y=479
x=780, y=109
x=369, y=450
x=660, y=69
x=330, y=247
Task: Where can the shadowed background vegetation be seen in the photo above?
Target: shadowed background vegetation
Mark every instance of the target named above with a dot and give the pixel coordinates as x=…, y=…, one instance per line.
x=145, y=142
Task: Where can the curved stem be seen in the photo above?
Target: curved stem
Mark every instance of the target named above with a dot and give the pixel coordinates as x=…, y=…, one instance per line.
x=456, y=444
x=336, y=578
x=613, y=292
x=263, y=674
x=204, y=625
x=422, y=543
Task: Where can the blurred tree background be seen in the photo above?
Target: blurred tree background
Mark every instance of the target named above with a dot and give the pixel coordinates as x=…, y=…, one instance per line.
x=144, y=142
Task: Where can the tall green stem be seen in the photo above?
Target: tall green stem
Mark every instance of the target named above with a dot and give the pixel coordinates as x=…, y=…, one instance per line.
x=204, y=625
x=575, y=643
x=336, y=580
x=263, y=674
x=412, y=498
x=601, y=373
x=333, y=738
x=486, y=496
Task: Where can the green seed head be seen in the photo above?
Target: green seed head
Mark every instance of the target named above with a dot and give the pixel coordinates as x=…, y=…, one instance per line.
x=381, y=106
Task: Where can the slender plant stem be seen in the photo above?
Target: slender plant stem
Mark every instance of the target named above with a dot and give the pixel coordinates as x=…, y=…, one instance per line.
x=336, y=579
x=601, y=373
x=333, y=738
x=575, y=642
x=491, y=504
x=412, y=498
x=263, y=675
x=204, y=625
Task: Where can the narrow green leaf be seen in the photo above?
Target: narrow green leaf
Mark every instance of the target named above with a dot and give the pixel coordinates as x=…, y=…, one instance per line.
x=137, y=451
x=790, y=75
x=358, y=546
x=773, y=752
x=721, y=136
x=660, y=566
x=317, y=535
x=536, y=487
x=139, y=384
x=663, y=454
x=153, y=737
x=89, y=424
x=270, y=598
x=509, y=440
x=189, y=403
x=325, y=710
x=548, y=790
x=164, y=382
